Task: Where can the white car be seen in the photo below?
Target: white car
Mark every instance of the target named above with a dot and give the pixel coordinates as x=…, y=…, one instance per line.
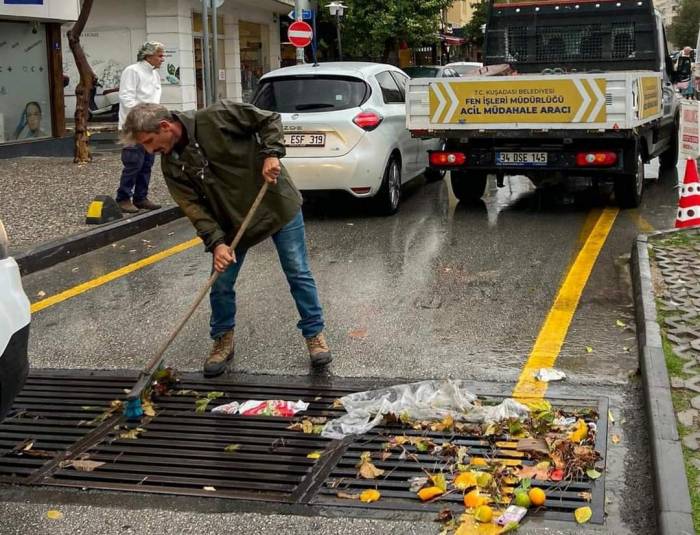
x=345, y=129
x=464, y=68
x=14, y=328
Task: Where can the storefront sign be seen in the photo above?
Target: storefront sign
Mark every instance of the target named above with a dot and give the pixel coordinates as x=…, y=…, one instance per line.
x=690, y=129
x=57, y=10
x=578, y=100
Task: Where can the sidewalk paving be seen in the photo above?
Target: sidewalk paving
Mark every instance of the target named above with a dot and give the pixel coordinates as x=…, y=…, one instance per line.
x=675, y=264
x=43, y=199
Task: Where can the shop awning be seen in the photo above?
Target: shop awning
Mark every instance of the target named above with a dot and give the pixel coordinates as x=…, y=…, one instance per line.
x=451, y=40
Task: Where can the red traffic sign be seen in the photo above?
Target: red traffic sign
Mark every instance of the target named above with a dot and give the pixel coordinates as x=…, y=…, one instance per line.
x=300, y=33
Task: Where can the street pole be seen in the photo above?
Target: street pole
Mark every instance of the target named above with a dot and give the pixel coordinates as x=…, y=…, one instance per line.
x=206, y=78
x=298, y=14
x=337, y=28
x=214, y=53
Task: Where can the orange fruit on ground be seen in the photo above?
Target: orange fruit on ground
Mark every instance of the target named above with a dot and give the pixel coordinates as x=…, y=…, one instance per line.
x=484, y=514
x=537, y=496
x=464, y=480
x=473, y=499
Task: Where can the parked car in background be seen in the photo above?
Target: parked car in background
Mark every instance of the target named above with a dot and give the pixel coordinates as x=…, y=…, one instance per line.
x=465, y=67
x=345, y=129
x=431, y=71
x=14, y=328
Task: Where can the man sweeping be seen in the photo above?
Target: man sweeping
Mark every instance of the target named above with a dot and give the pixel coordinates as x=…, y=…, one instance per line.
x=214, y=161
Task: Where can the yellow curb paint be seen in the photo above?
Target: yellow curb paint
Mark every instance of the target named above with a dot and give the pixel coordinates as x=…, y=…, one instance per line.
x=108, y=277
x=553, y=333
x=641, y=223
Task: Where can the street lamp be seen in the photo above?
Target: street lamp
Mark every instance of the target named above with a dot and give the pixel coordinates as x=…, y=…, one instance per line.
x=336, y=9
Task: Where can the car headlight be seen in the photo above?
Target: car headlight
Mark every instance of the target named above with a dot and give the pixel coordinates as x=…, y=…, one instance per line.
x=4, y=242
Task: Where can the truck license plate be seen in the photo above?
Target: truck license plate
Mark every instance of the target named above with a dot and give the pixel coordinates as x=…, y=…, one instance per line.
x=305, y=140
x=521, y=158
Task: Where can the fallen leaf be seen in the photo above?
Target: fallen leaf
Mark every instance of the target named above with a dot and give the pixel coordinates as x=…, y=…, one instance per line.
x=589, y=349
x=585, y=495
x=132, y=434
x=385, y=455
x=593, y=473
x=625, y=348
x=211, y=489
x=416, y=482
x=337, y=404
x=620, y=323
x=53, y=514
x=366, y=469
x=464, y=480
x=347, y=496
x=439, y=481
x=369, y=496
x=314, y=455
x=579, y=434
x=307, y=427
x=232, y=447
x=85, y=466
x=358, y=333
x=41, y=293
x=428, y=493
x=583, y=514
x=610, y=417
x=537, y=445
x=148, y=409
x=615, y=439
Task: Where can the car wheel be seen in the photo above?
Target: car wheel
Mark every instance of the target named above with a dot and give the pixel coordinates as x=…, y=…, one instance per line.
x=389, y=195
x=630, y=186
x=468, y=186
x=669, y=158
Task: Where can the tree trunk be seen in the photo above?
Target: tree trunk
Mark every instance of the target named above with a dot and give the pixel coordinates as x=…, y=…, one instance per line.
x=84, y=87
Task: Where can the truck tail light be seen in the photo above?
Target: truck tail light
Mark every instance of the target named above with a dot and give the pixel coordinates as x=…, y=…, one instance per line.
x=596, y=159
x=367, y=120
x=445, y=158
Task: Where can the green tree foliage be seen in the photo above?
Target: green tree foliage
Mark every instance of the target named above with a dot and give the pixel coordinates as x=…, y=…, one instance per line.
x=472, y=30
x=684, y=29
x=372, y=29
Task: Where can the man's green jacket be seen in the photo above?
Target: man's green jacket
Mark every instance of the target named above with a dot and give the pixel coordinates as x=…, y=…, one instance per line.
x=217, y=176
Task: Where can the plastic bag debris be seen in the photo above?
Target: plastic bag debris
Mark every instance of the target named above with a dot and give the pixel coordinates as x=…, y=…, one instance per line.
x=549, y=374
x=422, y=401
x=270, y=407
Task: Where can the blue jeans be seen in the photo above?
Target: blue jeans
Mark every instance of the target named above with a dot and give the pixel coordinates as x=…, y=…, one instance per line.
x=290, y=242
x=136, y=173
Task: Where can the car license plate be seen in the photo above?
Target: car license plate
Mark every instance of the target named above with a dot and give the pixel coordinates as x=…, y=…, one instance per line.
x=521, y=158
x=305, y=140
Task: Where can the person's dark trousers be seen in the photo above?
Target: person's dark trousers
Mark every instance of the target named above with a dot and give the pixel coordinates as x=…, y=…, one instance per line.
x=136, y=173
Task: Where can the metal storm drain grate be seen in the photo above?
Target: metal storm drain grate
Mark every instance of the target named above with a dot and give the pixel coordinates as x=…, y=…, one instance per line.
x=61, y=433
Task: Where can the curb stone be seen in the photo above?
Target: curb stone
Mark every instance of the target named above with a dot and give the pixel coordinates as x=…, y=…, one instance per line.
x=51, y=253
x=673, y=509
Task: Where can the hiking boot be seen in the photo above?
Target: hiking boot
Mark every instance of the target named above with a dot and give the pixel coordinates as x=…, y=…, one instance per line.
x=127, y=206
x=221, y=354
x=146, y=204
x=319, y=352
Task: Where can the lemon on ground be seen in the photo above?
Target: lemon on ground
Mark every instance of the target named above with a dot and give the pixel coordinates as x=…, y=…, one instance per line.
x=537, y=496
x=484, y=514
x=522, y=499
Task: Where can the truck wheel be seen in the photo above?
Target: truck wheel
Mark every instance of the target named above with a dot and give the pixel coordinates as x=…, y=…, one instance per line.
x=389, y=195
x=668, y=159
x=630, y=186
x=468, y=186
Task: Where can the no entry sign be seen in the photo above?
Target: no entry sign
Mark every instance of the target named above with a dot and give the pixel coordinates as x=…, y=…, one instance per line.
x=300, y=34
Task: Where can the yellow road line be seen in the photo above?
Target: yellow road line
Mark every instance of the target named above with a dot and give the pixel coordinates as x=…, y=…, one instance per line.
x=553, y=333
x=104, y=279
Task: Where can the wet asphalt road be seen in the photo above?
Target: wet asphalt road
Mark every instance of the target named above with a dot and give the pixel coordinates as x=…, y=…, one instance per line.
x=439, y=290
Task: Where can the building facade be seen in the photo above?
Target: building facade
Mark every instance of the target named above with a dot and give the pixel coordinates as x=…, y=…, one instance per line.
x=249, y=45
x=31, y=81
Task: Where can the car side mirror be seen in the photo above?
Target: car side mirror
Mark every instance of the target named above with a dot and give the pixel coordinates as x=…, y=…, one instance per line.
x=670, y=69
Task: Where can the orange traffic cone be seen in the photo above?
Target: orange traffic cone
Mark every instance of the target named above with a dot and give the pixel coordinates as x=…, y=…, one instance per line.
x=689, y=203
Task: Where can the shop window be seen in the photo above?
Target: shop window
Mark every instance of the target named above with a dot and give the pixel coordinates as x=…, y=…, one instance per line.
x=25, y=104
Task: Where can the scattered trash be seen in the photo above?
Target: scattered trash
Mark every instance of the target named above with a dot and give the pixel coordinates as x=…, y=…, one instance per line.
x=211, y=489
x=513, y=513
x=549, y=374
x=423, y=400
x=274, y=407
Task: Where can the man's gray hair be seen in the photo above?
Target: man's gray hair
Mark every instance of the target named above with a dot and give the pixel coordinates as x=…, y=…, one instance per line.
x=143, y=118
x=149, y=48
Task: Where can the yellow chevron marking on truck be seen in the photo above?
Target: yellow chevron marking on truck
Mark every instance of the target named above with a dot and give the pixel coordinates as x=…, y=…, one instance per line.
x=555, y=100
